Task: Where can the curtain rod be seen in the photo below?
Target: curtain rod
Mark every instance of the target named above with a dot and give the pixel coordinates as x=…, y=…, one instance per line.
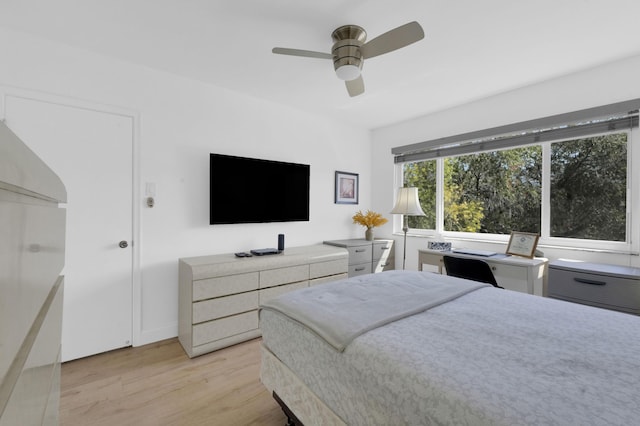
x=626, y=107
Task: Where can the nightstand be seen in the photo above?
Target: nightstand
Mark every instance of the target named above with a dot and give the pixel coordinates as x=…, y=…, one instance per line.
x=366, y=257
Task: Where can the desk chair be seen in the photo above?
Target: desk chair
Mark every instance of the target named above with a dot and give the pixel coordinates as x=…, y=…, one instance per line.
x=471, y=269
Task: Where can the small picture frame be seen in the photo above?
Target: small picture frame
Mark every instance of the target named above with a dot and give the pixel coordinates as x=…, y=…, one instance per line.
x=522, y=244
x=346, y=189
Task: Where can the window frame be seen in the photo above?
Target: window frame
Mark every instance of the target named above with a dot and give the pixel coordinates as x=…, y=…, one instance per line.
x=632, y=233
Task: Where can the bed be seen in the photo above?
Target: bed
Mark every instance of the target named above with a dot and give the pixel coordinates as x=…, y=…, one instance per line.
x=412, y=348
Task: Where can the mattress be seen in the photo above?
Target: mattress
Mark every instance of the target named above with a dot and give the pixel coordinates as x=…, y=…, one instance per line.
x=490, y=357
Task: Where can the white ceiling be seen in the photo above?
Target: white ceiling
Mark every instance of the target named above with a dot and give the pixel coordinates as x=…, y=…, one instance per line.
x=472, y=48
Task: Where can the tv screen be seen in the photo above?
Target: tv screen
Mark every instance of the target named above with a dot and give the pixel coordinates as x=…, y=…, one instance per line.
x=251, y=190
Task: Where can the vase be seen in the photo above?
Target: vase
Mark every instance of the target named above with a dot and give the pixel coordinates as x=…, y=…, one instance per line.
x=368, y=234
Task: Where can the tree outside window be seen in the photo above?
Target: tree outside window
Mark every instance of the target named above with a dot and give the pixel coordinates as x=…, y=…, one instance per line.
x=589, y=188
x=494, y=192
x=500, y=191
x=422, y=175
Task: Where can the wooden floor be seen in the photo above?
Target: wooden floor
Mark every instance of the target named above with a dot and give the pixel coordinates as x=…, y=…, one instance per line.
x=158, y=384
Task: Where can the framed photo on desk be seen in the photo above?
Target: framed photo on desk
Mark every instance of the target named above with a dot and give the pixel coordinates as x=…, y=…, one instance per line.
x=522, y=244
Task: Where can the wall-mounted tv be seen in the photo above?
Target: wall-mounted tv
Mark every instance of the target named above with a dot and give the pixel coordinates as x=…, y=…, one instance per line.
x=252, y=190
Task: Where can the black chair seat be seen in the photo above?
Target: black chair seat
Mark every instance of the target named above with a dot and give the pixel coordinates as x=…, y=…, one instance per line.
x=471, y=269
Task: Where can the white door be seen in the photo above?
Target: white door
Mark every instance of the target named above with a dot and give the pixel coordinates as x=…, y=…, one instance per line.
x=92, y=153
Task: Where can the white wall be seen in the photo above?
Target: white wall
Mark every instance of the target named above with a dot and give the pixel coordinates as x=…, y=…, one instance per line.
x=181, y=122
x=614, y=82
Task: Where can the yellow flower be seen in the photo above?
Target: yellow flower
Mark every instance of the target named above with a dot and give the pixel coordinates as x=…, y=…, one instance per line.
x=369, y=219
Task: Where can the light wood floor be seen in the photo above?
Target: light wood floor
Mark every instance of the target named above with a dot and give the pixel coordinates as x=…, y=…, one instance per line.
x=158, y=384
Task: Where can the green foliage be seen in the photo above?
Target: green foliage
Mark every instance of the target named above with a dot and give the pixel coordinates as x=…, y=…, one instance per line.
x=461, y=213
x=501, y=191
x=504, y=187
x=588, y=188
x=422, y=175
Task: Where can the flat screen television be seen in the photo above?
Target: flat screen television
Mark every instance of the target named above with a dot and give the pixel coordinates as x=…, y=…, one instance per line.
x=252, y=190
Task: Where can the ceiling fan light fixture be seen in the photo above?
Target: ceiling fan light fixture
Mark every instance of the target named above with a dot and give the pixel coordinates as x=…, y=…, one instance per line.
x=350, y=49
x=348, y=72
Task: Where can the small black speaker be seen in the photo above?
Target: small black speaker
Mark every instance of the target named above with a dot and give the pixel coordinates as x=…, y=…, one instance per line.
x=280, y=242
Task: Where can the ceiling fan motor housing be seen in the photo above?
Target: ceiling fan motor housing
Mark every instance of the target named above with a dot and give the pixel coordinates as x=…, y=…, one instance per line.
x=347, y=55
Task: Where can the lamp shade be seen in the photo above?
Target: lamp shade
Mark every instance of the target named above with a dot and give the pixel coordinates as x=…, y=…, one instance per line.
x=408, y=203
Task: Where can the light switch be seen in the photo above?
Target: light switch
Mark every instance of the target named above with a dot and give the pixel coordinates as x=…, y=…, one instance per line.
x=150, y=189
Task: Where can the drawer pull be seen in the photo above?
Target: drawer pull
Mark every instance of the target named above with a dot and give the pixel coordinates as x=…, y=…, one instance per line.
x=360, y=269
x=384, y=248
x=360, y=250
x=592, y=282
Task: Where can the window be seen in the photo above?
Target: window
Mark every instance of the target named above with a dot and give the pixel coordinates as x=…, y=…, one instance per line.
x=493, y=192
x=422, y=175
x=498, y=191
x=567, y=177
x=490, y=193
x=589, y=188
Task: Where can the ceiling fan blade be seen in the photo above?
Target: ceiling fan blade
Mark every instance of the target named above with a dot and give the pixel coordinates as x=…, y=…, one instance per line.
x=392, y=40
x=355, y=87
x=298, y=52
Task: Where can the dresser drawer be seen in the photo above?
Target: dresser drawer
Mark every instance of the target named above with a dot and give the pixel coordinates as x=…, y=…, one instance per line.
x=273, y=277
x=223, y=286
x=605, y=291
x=382, y=250
x=384, y=264
x=224, y=306
x=363, y=268
x=323, y=269
x=329, y=279
x=359, y=254
x=271, y=292
x=208, y=332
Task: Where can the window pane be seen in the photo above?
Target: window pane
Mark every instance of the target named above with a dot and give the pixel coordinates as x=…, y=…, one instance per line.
x=422, y=175
x=589, y=188
x=494, y=192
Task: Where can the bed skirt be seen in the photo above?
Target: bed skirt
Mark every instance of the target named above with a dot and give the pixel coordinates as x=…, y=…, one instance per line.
x=306, y=406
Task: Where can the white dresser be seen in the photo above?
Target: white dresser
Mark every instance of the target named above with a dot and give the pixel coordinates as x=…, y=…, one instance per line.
x=32, y=249
x=367, y=257
x=511, y=272
x=219, y=295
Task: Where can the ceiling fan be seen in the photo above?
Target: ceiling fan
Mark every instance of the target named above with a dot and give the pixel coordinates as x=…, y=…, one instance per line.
x=350, y=50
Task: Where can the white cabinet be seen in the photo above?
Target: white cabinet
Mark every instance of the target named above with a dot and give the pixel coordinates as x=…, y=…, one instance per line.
x=219, y=295
x=383, y=256
x=366, y=257
x=511, y=272
x=596, y=284
x=517, y=278
x=32, y=250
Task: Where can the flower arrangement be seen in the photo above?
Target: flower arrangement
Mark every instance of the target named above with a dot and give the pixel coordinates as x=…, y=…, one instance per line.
x=370, y=220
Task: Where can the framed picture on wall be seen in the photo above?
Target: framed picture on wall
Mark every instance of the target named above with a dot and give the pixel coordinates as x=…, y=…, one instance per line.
x=522, y=244
x=346, y=189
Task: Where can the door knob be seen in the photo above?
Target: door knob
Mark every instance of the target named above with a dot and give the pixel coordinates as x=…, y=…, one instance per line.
x=123, y=244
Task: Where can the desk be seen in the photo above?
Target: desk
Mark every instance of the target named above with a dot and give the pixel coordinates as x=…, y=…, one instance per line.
x=511, y=272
